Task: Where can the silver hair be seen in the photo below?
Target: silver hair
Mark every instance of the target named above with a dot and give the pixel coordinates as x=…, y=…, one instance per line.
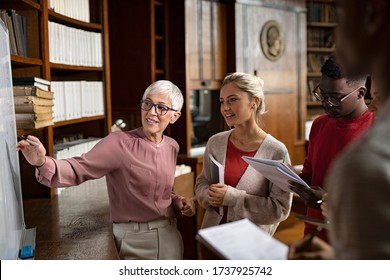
x=250, y=84
x=168, y=88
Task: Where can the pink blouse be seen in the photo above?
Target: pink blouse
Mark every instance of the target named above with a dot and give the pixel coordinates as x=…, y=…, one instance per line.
x=139, y=174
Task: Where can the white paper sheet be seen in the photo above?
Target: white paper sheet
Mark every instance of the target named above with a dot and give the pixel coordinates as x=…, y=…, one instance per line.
x=242, y=240
x=275, y=171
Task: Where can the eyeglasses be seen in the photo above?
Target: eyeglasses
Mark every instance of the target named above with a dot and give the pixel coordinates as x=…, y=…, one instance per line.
x=333, y=101
x=161, y=110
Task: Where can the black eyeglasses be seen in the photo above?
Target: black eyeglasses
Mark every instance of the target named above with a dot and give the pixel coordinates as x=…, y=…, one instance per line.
x=161, y=110
x=333, y=101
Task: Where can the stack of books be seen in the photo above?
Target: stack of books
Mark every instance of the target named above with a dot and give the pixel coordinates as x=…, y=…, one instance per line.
x=33, y=103
x=17, y=28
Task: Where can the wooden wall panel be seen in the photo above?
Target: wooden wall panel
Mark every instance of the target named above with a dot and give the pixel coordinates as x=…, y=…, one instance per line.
x=191, y=44
x=220, y=42
x=205, y=43
x=283, y=78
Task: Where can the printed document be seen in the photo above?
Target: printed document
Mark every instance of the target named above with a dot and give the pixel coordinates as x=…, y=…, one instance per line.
x=275, y=171
x=242, y=240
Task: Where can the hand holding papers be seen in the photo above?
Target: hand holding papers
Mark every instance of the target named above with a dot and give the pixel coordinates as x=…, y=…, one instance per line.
x=242, y=240
x=275, y=171
x=309, y=196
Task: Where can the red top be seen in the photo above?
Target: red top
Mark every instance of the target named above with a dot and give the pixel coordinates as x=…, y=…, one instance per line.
x=235, y=167
x=328, y=137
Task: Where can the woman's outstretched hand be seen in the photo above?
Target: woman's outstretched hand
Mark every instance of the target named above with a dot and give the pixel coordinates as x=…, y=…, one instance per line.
x=33, y=150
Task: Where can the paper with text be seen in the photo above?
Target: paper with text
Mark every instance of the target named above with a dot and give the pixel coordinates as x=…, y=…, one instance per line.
x=275, y=171
x=242, y=240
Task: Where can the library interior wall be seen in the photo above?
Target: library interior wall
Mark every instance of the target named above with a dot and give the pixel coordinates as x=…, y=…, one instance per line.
x=132, y=58
x=285, y=80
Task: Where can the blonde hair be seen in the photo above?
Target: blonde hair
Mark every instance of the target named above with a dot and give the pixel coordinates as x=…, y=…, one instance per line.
x=250, y=84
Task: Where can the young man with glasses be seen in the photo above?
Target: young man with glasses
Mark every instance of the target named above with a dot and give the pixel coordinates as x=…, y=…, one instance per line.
x=358, y=182
x=346, y=119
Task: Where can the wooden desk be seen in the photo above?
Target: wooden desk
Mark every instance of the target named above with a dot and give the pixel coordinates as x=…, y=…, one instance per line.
x=73, y=225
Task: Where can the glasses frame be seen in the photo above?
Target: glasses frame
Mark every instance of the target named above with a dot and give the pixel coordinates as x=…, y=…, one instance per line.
x=158, y=110
x=331, y=100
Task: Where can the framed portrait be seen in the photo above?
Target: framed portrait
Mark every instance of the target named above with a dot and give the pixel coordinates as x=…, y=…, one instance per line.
x=272, y=40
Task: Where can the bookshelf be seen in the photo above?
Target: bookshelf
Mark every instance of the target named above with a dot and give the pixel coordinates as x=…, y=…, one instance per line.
x=321, y=21
x=90, y=18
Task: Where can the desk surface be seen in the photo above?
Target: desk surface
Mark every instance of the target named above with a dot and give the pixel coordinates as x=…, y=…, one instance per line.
x=72, y=225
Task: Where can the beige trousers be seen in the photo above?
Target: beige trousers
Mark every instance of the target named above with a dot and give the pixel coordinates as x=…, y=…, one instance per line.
x=155, y=240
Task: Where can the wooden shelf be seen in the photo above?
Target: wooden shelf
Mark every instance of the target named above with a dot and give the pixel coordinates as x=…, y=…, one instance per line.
x=20, y=5
x=53, y=16
x=314, y=74
x=28, y=131
x=67, y=67
x=322, y=24
x=25, y=61
x=38, y=65
x=81, y=120
x=321, y=50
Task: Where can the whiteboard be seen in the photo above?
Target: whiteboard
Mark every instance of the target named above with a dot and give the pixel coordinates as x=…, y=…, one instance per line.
x=11, y=204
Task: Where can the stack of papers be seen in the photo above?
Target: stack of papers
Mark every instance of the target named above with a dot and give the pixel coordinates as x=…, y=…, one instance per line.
x=275, y=171
x=242, y=240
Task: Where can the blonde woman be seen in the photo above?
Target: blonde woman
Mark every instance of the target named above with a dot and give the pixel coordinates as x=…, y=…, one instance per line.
x=245, y=193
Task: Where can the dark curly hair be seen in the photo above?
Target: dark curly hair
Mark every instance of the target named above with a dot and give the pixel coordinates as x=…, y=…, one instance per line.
x=332, y=69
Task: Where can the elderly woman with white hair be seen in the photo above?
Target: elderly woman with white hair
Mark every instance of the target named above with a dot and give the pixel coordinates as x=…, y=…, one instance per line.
x=245, y=193
x=139, y=166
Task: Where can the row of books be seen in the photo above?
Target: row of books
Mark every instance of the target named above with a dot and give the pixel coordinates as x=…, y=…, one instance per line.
x=17, y=28
x=320, y=38
x=33, y=105
x=72, y=149
x=315, y=61
x=65, y=138
x=311, y=85
x=36, y=106
x=77, y=9
x=77, y=99
x=321, y=12
x=74, y=46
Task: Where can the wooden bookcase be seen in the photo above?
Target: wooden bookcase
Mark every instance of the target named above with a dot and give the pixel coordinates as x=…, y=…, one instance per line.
x=182, y=41
x=321, y=21
x=152, y=49
x=38, y=64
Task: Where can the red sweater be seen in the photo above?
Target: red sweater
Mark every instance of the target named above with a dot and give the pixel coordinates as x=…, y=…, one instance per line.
x=328, y=137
